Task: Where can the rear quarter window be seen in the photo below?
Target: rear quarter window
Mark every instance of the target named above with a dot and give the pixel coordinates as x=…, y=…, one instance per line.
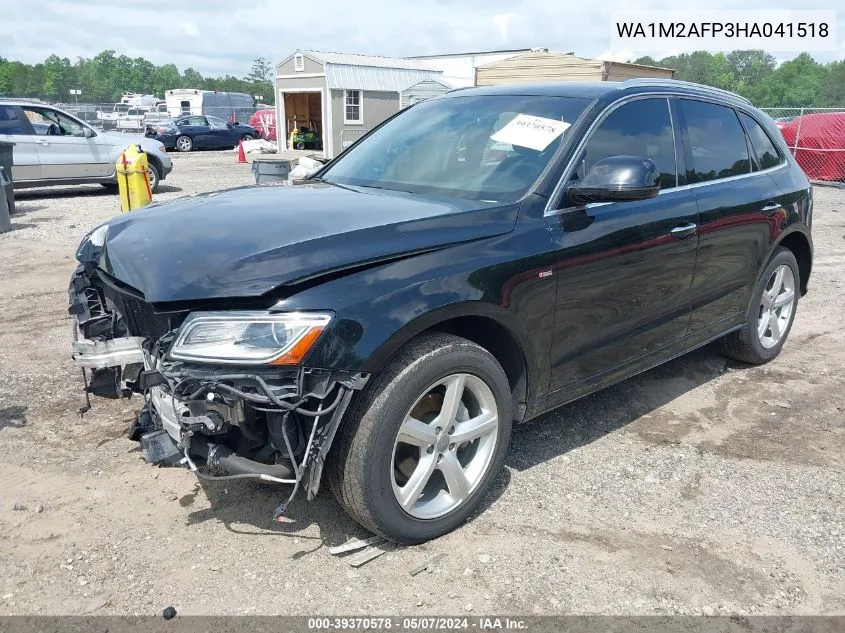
x=765, y=153
x=716, y=141
x=9, y=123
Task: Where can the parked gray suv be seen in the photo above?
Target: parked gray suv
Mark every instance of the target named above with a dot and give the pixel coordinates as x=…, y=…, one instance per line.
x=53, y=147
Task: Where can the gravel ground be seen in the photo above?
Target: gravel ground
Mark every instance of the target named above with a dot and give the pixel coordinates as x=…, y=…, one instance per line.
x=700, y=487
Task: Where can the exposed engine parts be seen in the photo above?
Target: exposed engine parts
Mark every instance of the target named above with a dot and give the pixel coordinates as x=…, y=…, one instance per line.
x=270, y=423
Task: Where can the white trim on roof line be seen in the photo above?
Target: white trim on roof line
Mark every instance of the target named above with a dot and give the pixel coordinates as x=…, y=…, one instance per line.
x=298, y=75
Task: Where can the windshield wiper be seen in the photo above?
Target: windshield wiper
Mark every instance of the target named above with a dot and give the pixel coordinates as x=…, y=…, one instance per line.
x=328, y=182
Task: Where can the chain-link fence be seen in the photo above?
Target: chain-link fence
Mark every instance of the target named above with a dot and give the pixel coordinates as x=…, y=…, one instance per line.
x=127, y=118
x=816, y=137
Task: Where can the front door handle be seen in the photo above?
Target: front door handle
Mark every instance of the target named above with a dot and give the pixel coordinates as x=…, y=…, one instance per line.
x=770, y=208
x=684, y=231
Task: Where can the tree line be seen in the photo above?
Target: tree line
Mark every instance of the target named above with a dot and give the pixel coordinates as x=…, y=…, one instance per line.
x=105, y=77
x=800, y=82
x=755, y=74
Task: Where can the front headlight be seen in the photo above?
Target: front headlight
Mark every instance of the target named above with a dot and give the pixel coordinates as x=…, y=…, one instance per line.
x=248, y=338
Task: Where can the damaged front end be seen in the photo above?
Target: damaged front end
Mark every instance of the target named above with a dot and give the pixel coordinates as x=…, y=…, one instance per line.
x=225, y=393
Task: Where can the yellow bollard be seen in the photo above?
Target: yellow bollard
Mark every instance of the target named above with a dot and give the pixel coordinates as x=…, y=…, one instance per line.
x=133, y=180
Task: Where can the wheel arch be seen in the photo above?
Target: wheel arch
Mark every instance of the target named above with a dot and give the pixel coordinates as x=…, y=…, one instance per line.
x=154, y=160
x=479, y=324
x=797, y=242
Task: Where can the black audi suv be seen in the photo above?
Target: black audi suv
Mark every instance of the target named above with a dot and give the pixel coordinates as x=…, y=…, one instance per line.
x=473, y=262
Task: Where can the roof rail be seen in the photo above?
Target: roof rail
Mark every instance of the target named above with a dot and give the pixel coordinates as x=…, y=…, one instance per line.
x=668, y=83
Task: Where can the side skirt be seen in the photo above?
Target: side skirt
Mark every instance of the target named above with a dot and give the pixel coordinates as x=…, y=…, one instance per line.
x=646, y=366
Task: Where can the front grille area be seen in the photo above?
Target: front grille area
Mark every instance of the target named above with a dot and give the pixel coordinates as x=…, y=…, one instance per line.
x=138, y=315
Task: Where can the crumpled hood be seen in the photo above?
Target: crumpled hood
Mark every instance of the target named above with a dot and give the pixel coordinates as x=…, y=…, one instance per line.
x=245, y=242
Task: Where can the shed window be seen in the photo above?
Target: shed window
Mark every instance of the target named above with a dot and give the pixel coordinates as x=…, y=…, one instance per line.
x=298, y=63
x=352, y=106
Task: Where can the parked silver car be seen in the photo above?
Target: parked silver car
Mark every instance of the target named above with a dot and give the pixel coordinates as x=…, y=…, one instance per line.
x=53, y=147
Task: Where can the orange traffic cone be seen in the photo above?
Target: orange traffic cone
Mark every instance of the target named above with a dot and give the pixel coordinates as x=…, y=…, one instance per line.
x=241, y=155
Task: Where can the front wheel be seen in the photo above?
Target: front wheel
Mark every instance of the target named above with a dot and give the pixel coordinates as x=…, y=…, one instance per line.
x=771, y=313
x=421, y=445
x=154, y=176
x=247, y=137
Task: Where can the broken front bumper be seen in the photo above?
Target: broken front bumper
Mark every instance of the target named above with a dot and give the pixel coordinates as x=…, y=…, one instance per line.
x=270, y=423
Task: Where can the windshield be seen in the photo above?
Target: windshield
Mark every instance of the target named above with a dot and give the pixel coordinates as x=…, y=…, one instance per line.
x=489, y=148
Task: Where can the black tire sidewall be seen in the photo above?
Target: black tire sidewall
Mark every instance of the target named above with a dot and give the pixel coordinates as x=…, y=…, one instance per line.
x=781, y=257
x=154, y=169
x=410, y=385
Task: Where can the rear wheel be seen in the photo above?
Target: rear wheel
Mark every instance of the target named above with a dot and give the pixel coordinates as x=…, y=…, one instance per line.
x=184, y=144
x=421, y=445
x=771, y=314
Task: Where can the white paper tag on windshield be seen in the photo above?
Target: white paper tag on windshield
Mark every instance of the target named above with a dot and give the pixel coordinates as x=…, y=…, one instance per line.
x=535, y=132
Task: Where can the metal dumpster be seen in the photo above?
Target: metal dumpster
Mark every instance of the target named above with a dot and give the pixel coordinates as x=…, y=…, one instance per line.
x=270, y=169
x=6, y=161
x=5, y=204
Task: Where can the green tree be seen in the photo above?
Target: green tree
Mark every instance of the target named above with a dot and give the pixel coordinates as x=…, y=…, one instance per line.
x=5, y=80
x=58, y=75
x=261, y=72
x=192, y=79
x=750, y=68
x=832, y=93
x=167, y=77
x=794, y=84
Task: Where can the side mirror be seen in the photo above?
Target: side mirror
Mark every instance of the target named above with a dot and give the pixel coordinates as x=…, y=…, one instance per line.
x=617, y=178
x=88, y=132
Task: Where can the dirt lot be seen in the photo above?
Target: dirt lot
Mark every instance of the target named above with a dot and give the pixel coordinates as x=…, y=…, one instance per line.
x=699, y=487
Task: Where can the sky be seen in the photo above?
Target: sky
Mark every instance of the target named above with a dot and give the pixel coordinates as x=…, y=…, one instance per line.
x=218, y=37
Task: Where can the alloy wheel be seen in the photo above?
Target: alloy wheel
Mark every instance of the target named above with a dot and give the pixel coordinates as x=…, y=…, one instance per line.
x=776, y=306
x=445, y=446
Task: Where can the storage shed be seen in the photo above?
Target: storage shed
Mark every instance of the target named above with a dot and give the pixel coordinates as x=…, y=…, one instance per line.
x=342, y=96
x=548, y=66
x=422, y=90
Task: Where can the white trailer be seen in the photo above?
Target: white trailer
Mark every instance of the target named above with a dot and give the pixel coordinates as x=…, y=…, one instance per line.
x=224, y=105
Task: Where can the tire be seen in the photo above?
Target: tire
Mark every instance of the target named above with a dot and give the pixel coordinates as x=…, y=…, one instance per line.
x=247, y=137
x=155, y=179
x=155, y=176
x=756, y=342
x=184, y=144
x=362, y=471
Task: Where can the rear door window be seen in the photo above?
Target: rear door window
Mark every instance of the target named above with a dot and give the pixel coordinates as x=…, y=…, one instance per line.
x=638, y=128
x=192, y=120
x=716, y=140
x=764, y=152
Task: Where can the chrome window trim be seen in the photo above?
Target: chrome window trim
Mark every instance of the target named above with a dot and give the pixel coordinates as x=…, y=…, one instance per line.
x=572, y=164
x=694, y=185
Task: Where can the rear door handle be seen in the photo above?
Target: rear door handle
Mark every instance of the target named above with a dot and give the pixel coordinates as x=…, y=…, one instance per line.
x=42, y=142
x=770, y=208
x=684, y=231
